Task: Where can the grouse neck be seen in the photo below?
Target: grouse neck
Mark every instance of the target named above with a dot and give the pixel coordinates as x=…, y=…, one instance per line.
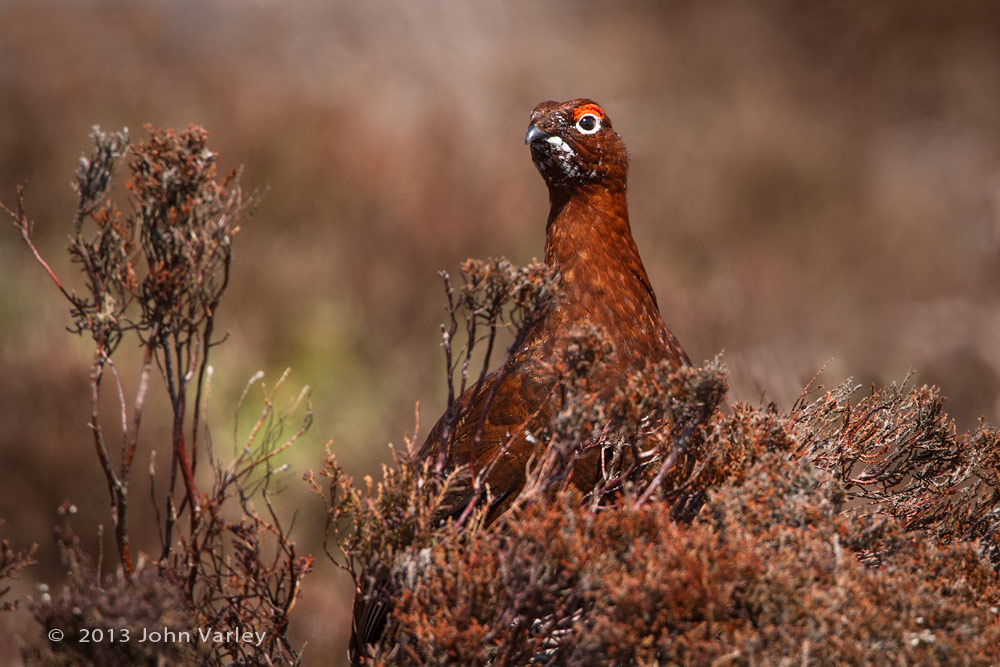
x=588, y=231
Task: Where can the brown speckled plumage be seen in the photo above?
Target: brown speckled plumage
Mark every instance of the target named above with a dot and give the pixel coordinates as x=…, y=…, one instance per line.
x=602, y=283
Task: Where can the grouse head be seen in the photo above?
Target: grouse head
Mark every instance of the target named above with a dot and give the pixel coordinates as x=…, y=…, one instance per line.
x=573, y=145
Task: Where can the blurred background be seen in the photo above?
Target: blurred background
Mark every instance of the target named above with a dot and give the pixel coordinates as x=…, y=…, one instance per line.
x=812, y=184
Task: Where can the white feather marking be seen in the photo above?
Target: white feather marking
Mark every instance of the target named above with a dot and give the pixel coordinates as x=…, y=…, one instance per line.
x=560, y=144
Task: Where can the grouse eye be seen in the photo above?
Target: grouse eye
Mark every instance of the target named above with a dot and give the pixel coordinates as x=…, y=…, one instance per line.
x=588, y=123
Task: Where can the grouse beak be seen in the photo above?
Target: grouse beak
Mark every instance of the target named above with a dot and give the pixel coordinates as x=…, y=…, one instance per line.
x=535, y=134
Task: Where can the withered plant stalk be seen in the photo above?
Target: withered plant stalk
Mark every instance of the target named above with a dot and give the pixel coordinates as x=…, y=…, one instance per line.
x=158, y=272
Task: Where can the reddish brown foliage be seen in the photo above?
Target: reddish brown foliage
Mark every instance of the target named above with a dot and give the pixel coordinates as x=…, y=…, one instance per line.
x=898, y=451
x=792, y=556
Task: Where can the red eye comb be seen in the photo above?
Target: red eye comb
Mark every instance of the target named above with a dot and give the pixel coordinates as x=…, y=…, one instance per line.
x=584, y=109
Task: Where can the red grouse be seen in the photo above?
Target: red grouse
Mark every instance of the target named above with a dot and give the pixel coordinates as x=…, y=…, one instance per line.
x=602, y=283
